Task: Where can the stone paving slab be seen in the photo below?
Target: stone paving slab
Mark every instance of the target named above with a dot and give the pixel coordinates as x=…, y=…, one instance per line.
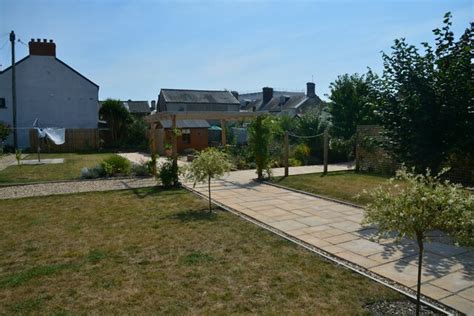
x=448, y=271
x=52, y=161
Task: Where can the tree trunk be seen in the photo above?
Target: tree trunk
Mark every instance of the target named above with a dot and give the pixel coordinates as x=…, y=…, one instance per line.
x=419, y=239
x=209, y=187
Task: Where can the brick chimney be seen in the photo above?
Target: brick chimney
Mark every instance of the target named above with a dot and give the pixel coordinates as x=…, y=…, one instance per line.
x=267, y=93
x=310, y=89
x=42, y=48
x=235, y=94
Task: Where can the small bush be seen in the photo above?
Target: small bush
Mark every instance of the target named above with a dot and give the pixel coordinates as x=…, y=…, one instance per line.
x=293, y=162
x=141, y=169
x=115, y=165
x=168, y=174
x=93, y=173
x=302, y=152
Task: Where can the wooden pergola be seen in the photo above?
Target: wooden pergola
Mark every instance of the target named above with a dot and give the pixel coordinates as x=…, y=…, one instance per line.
x=222, y=116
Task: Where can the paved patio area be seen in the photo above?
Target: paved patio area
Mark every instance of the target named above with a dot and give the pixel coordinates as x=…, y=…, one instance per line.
x=448, y=272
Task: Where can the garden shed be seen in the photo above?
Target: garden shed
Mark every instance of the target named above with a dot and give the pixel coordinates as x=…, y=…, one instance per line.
x=193, y=135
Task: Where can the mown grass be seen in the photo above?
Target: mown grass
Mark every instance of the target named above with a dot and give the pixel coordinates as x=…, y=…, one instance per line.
x=343, y=185
x=149, y=251
x=70, y=169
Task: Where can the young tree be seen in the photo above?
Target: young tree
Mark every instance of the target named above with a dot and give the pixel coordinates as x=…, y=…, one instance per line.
x=426, y=104
x=117, y=117
x=350, y=104
x=259, y=139
x=209, y=164
x=424, y=204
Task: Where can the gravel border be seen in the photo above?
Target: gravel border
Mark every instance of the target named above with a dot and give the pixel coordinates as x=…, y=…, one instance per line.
x=15, y=184
x=71, y=187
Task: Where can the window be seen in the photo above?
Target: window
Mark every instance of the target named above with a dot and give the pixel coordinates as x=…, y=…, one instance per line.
x=2, y=103
x=186, y=136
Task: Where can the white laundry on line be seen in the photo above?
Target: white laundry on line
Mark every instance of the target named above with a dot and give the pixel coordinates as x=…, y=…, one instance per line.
x=55, y=134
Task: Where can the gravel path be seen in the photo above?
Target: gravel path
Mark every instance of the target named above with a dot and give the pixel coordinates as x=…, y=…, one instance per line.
x=21, y=191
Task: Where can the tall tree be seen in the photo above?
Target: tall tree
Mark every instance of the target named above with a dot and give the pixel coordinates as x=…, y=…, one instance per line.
x=426, y=104
x=350, y=104
x=117, y=117
x=259, y=141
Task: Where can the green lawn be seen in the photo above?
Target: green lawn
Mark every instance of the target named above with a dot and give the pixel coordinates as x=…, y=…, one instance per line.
x=70, y=169
x=158, y=252
x=342, y=185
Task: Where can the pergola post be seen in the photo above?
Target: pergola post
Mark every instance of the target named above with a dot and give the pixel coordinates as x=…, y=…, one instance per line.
x=287, y=154
x=152, y=142
x=326, y=150
x=223, y=133
x=174, y=141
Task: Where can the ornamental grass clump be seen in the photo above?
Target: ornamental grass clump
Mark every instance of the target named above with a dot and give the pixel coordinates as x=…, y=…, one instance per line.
x=209, y=164
x=424, y=203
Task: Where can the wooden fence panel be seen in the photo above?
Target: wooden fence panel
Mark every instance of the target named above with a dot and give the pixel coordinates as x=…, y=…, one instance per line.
x=81, y=139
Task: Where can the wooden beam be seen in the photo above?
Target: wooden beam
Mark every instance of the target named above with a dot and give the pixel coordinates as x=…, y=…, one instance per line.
x=223, y=133
x=202, y=115
x=174, y=141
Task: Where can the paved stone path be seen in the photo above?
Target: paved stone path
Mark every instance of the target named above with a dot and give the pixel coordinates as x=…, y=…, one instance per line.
x=448, y=272
x=8, y=160
x=43, y=189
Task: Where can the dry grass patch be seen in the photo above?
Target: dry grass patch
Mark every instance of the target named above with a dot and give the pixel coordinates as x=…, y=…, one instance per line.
x=342, y=185
x=150, y=251
x=70, y=169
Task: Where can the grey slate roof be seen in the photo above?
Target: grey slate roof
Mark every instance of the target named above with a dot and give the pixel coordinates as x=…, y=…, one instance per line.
x=198, y=96
x=186, y=124
x=296, y=102
x=137, y=106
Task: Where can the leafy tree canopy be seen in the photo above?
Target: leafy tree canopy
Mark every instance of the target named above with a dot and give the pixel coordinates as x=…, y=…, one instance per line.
x=210, y=163
x=117, y=117
x=351, y=104
x=425, y=99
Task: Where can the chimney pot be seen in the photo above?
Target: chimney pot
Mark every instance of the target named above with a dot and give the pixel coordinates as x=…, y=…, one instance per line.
x=42, y=48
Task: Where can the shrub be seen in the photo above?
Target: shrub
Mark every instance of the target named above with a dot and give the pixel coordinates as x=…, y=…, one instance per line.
x=116, y=164
x=259, y=138
x=341, y=150
x=302, y=152
x=140, y=169
x=293, y=162
x=169, y=174
x=151, y=165
x=93, y=173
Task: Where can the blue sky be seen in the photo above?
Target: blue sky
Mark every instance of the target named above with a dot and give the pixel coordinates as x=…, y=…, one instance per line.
x=132, y=49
